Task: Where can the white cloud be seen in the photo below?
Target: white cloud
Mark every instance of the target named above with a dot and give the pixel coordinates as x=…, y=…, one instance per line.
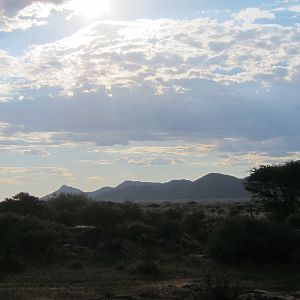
x=255, y=159
x=151, y=161
x=159, y=54
x=154, y=80
x=16, y=139
x=24, y=14
x=39, y=152
x=12, y=7
x=34, y=14
x=182, y=150
x=48, y=171
x=100, y=162
x=18, y=175
x=10, y=181
x=295, y=8
x=250, y=15
x=96, y=178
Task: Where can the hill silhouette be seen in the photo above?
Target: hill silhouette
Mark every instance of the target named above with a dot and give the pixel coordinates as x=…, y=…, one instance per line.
x=213, y=186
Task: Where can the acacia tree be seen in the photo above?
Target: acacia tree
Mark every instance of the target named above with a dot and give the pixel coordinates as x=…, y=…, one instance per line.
x=278, y=187
x=26, y=204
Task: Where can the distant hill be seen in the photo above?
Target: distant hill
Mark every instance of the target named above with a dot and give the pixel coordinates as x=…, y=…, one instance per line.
x=96, y=194
x=213, y=186
x=216, y=185
x=63, y=190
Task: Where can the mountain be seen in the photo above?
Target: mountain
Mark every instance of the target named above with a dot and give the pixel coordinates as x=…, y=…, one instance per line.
x=63, y=190
x=99, y=192
x=216, y=185
x=212, y=186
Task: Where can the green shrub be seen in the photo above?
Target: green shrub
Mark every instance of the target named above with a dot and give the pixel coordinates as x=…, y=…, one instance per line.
x=138, y=231
x=91, y=237
x=27, y=236
x=170, y=230
x=68, y=202
x=102, y=214
x=194, y=223
x=26, y=204
x=132, y=211
x=245, y=239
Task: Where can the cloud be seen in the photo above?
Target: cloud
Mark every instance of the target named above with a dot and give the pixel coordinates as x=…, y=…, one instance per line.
x=250, y=15
x=15, y=139
x=48, y=171
x=22, y=15
x=25, y=14
x=181, y=150
x=10, y=181
x=255, y=159
x=12, y=7
x=96, y=178
x=137, y=159
x=201, y=117
x=196, y=81
x=18, y=175
x=295, y=8
x=39, y=152
x=159, y=54
x=100, y=162
x=151, y=161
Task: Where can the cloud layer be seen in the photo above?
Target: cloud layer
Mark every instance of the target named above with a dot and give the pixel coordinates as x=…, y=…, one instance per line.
x=221, y=91
x=161, y=54
x=156, y=80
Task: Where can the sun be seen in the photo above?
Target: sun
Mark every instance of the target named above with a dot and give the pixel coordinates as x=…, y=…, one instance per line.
x=90, y=8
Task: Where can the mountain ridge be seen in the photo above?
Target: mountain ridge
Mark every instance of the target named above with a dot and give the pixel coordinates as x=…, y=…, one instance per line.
x=209, y=187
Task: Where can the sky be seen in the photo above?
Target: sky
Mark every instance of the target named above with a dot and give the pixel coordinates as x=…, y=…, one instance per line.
x=95, y=92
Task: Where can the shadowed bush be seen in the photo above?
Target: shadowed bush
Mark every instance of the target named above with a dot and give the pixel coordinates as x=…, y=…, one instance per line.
x=247, y=239
x=26, y=237
x=219, y=285
x=148, y=268
x=293, y=221
x=10, y=264
x=26, y=204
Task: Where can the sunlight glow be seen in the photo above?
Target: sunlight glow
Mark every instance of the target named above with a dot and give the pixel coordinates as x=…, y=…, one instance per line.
x=90, y=8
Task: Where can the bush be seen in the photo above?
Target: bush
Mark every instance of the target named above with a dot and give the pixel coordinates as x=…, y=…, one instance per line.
x=245, y=239
x=10, y=264
x=148, y=268
x=194, y=224
x=278, y=187
x=25, y=204
x=27, y=236
x=68, y=202
x=170, y=230
x=101, y=214
x=293, y=221
x=132, y=211
x=219, y=285
x=141, y=234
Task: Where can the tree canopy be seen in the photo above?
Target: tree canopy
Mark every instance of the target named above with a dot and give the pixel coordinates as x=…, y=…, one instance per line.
x=278, y=186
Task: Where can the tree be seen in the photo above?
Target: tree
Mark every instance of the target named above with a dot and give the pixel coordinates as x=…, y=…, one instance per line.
x=277, y=186
x=26, y=204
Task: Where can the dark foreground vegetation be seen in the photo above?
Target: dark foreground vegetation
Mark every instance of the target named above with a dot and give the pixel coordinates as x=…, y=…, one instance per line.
x=73, y=248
